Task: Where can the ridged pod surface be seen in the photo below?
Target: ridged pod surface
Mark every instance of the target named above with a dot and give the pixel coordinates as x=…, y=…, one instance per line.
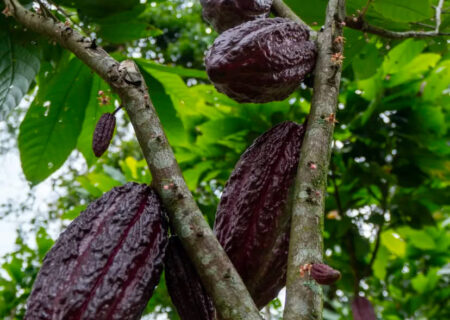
x=324, y=274
x=184, y=285
x=362, y=309
x=103, y=133
x=251, y=223
x=261, y=61
x=107, y=262
x=225, y=14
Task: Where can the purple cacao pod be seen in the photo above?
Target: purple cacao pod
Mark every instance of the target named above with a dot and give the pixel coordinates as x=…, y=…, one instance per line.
x=324, y=274
x=103, y=133
x=184, y=285
x=261, y=61
x=251, y=223
x=107, y=262
x=225, y=14
x=362, y=309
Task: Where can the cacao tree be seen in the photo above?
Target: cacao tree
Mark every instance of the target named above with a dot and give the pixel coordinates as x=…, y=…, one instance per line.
x=101, y=98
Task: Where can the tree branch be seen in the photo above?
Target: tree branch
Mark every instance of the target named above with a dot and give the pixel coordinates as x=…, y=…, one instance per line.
x=221, y=280
x=283, y=10
x=304, y=297
x=359, y=23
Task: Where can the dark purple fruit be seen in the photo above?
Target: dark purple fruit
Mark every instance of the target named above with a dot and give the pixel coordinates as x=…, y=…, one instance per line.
x=324, y=274
x=362, y=309
x=251, y=223
x=184, y=285
x=103, y=133
x=225, y=14
x=261, y=61
x=107, y=262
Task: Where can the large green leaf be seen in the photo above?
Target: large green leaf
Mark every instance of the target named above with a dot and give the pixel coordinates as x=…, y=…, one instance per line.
x=50, y=130
x=164, y=105
x=94, y=110
x=182, y=72
x=404, y=10
x=99, y=8
x=126, y=26
x=19, y=64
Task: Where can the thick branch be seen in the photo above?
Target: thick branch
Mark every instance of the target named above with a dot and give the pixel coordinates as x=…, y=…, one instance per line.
x=221, y=280
x=304, y=297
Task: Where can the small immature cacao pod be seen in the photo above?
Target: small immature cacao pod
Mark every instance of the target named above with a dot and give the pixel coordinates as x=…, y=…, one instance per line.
x=103, y=133
x=261, y=61
x=184, y=285
x=324, y=274
x=362, y=309
x=105, y=265
x=225, y=14
x=251, y=223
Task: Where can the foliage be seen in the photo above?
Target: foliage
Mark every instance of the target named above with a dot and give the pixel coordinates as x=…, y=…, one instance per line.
x=387, y=224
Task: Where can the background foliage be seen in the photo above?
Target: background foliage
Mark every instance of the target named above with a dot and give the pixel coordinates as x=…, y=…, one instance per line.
x=387, y=226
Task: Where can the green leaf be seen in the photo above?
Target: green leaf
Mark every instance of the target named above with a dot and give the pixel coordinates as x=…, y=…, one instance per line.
x=182, y=72
x=44, y=242
x=75, y=212
x=99, y=8
x=50, y=130
x=404, y=10
x=126, y=26
x=381, y=262
x=366, y=62
x=165, y=107
x=437, y=82
x=19, y=64
x=309, y=11
x=94, y=110
x=394, y=243
x=418, y=238
x=403, y=54
x=192, y=176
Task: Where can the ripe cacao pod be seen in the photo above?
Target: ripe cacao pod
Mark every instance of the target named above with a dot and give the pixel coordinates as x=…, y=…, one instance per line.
x=103, y=133
x=251, y=223
x=362, y=309
x=225, y=14
x=261, y=61
x=107, y=262
x=324, y=274
x=184, y=285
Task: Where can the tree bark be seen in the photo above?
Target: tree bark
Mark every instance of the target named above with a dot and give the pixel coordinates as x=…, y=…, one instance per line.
x=221, y=280
x=304, y=296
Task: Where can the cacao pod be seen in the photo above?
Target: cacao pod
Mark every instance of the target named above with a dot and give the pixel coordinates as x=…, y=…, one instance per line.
x=362, y=309
x=225, y=14
x=184, y=285
x=261, y=61
x=107, y=262
x=324, y=274
x=103, y=133
x=251, y=224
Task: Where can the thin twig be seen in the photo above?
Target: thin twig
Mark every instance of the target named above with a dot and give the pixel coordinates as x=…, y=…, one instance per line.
x=365, y=9
x=359, y=23
x=283, y=10
x=438, y=15
x=69, y=17
x=375, y=250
